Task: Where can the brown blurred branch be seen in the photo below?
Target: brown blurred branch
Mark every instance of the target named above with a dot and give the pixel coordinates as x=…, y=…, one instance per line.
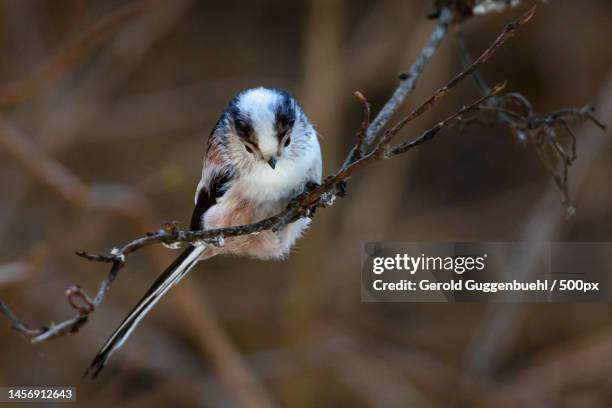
x=66, y=116
x=11, y=272
x=19, y=91
x=554, y=374
x=42, y=167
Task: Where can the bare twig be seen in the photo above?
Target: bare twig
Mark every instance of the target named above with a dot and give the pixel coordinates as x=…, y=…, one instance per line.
x=407, y=80
x=508, y=32
x=16, y=323
x=431, y=132
x=542, y=131
x=359, y=147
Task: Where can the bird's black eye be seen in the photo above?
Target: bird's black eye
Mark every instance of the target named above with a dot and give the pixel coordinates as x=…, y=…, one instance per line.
x=248, y=149
x=243, y=128
x=287, y=141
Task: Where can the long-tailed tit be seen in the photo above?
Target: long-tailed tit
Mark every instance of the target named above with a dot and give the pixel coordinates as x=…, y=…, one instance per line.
x=262, y=152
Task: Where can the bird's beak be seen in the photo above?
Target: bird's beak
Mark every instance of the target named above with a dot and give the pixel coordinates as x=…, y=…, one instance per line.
x=272, y=162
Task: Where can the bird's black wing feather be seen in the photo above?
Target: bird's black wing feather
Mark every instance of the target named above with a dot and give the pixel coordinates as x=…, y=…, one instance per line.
x=207, y=197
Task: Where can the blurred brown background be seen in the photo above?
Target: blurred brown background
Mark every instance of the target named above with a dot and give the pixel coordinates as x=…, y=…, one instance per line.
x=105, y=111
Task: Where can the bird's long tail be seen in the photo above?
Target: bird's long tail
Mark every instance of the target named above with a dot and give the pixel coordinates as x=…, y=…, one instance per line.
x=170, y=277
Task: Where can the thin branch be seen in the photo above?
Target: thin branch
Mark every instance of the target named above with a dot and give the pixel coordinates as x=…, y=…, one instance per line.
x=431, y=132
x=467, y=59
x=542, y=131
x=508, y=32
x=17, y=325
x=358, y=152
x=407, y=80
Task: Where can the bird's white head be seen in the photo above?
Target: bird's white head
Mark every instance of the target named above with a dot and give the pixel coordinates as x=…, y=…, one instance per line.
x=263, y=125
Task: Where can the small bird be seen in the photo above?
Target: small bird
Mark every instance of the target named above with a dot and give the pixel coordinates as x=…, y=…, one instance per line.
x=262, y=153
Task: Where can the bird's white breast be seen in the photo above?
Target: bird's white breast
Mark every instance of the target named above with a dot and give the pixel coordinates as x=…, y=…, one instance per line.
x=262, y=183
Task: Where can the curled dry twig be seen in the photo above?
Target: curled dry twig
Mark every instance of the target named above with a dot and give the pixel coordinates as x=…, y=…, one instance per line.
x=550, y=133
